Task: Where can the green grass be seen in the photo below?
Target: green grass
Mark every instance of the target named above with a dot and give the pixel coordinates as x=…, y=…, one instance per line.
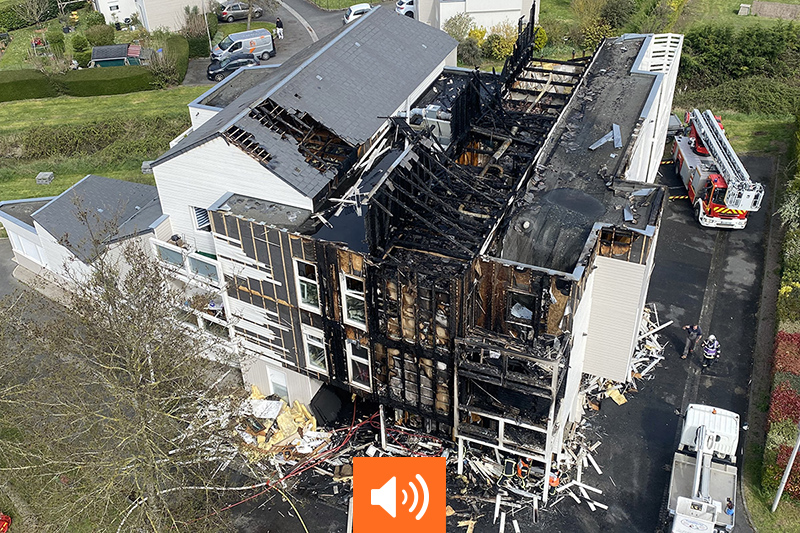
x=235, y=27
x=718, y=11
x=787, y=517
x=758, y=134
x=16, y=54
x=557, y=10
x=335, y=4
x=20, y=115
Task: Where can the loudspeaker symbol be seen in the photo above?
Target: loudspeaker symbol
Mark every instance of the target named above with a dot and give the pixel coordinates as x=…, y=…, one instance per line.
x=386, y=497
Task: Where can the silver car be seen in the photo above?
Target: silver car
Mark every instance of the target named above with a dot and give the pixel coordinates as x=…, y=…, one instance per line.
x=230, y=11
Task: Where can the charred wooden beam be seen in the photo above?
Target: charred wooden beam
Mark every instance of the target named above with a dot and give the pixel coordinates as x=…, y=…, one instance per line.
x=543, y=82
x=554, y=72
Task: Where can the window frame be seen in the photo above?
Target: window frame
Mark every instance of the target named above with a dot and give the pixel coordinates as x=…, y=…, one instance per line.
x=273, y=372
x=349, y=344
x=196, y=222
x=205, y=260
x=172, y=248
x=515, y=320
x=345, y=292
x=319, y=342
x=297, y=280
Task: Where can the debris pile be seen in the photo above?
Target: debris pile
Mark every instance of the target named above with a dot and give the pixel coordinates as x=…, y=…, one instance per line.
x=648, y=354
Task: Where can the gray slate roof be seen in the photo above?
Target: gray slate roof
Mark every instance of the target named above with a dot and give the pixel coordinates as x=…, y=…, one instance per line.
x=349, y=81
x=111, y=51
x=116, y=209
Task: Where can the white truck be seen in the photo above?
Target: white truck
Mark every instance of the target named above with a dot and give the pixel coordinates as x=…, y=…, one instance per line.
x=704, y=471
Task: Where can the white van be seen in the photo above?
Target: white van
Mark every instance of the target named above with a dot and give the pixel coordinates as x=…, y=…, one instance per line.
x=256, y=42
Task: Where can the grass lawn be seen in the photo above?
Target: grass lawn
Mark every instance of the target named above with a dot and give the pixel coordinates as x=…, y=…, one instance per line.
x=787, y=517
x=757, y=134
x=335, y=4
x=235, y=27
x=17, y=176
x=22, y=114
x=556, y=10
x=718, y=11
x=16, y=54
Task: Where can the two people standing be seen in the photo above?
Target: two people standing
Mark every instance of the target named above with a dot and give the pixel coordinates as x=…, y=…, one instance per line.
x=711, y=347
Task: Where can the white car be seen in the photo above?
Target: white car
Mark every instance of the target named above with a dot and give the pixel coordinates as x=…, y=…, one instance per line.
x=354, y=12
x=406, y=7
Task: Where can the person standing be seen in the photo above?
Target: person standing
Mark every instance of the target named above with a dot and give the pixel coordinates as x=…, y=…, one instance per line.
x=279, y=27
x=711, y=351
x=693, y=335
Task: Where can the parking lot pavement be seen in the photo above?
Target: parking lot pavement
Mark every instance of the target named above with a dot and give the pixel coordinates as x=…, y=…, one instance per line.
x=8, y=283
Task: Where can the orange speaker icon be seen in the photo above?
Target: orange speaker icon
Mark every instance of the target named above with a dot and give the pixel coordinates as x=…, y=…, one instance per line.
x=411, y=493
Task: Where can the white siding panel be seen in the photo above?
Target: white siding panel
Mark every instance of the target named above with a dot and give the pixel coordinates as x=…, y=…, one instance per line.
x=614, y=320
x=201, y=176
x=255, y=371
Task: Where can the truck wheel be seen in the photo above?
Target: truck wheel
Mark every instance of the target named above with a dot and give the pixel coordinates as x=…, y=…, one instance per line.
x=265, y=56
x=698, y=211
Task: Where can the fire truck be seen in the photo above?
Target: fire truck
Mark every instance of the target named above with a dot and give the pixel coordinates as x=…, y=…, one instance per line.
x=719, y=186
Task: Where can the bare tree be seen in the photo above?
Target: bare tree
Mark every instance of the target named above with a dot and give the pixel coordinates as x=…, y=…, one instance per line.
x=31, y=11
x=129, y=420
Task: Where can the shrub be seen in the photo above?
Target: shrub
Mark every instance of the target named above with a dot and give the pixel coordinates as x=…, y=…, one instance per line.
x=100, y=35
x=177, y=49
x=198, y=46
x=24, y=84
x=458, y=26
x=213, y=23
x=784, y=404
x=594, y=34
x=469, y=53
x=55, y=38
x=478, y=33
x=787, y=354
x=93, y=18
x=106, y=80
x=500, y=42
x=541, y=39
x=617, y=12
x=79, y=43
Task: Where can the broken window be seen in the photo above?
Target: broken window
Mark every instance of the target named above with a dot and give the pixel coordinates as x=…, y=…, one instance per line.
x=307, y=285
x=314, y=345
x=358, y=365
x=353, y=301
x=520, y=308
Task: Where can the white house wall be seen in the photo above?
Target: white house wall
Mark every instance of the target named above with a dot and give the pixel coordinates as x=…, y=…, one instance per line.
x=617, y=295
x=255, y=371
x=166, y=13
x=201, y=176
x=124, y=9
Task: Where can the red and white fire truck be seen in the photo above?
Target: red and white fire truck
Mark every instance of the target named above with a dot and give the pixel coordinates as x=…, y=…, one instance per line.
x=719, y=186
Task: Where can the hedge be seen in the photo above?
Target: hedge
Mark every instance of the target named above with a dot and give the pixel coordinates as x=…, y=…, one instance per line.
x=177, y=47
x=106, y=80
x=24, y=84
x=198, y=46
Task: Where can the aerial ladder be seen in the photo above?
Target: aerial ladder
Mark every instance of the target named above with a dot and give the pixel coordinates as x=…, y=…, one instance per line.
x=719, y=186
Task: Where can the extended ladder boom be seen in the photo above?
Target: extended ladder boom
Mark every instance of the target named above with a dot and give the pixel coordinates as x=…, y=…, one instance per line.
x=742, y=193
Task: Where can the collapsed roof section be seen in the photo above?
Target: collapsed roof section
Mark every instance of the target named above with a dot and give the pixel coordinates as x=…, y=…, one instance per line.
x=307, y=119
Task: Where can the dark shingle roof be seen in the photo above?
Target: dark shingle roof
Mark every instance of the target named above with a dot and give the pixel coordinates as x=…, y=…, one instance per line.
x=349, y=81
x=111, y=51
x=115, y=209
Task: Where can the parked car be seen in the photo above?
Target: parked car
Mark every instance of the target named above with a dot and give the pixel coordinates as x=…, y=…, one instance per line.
x=230, y=11
x=257, y=42
x=406, y=7
x=354, y=12
x=217, y=70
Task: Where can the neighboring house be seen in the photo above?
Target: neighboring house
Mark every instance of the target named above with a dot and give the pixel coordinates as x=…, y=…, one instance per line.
x=454, y=245
x=59, y=237
x=116, y=55
x=154, y=14
x=486, y=13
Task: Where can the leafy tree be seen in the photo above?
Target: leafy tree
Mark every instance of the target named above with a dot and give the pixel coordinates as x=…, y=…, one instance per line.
x=477, y=33
x=469, y=52
x=100, y=35
x=93, y=18
x=594, y=34
x=587, y=12
x=458, y=26
x=125, y=418
x=500, y=42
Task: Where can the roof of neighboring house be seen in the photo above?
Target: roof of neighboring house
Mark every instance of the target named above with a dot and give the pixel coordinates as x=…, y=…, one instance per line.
x=109, y=52
x=21, y=210
x=349, y=82
x=134, y=50
x=114, y=209
x=225, y=92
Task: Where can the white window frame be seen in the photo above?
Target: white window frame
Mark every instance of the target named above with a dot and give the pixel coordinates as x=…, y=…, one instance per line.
x=361, y=296
x=181, y=251
x=196, y=222
x=308, y=307
x=207, y=260
x=348, y=344
x=272, y=372
x=314, y=337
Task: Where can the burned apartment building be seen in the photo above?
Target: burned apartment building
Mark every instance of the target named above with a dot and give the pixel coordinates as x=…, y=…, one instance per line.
x=460, y=247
